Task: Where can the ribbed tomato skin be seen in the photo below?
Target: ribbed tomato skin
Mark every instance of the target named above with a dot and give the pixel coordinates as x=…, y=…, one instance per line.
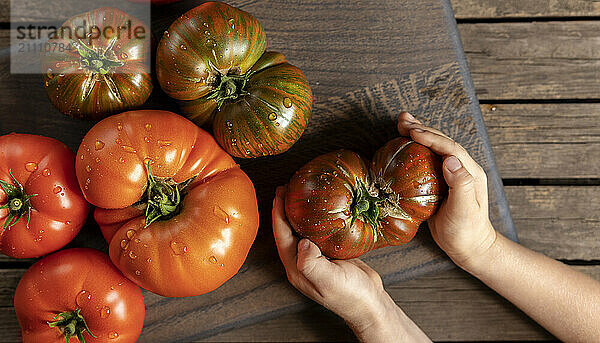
x=321, y=196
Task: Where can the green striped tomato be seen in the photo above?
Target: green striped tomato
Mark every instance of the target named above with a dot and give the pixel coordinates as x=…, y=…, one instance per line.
x=348, y=207
x=98, y=64
x=213, y=60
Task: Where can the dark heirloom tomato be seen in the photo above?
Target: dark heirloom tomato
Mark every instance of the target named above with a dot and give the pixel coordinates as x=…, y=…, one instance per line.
x=178, y=213
x=74, y=294
x=213, y=59
x=348, y=208
x=100, y=64
x=41, y=206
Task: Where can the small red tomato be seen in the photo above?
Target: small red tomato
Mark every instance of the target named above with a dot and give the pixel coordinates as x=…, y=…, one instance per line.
x=78, y=294
x=348, y=208
x=41, y=206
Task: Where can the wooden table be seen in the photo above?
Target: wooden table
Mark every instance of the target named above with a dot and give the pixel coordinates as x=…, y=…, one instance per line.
x=536, y=82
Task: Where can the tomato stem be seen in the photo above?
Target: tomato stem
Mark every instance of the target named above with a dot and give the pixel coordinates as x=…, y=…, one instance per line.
x=365, y=206
x=163, y=199
x=18, y=202
x=230, y=87
x=98, y=60
x=71, y=324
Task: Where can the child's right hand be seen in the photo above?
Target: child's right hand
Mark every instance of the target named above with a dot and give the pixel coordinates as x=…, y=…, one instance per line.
x=461, y=227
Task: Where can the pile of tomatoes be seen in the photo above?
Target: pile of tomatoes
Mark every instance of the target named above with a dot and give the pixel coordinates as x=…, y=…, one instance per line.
x=177, y=212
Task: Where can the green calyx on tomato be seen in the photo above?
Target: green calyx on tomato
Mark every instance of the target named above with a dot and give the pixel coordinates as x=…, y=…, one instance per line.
x=18, y=202
x=98, y=60
x=229, y=87
x=71, y=324
x=163, y=199
x=365, y=206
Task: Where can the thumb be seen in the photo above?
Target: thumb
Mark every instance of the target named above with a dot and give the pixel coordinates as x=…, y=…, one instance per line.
x=311, y=263
x=461, y=184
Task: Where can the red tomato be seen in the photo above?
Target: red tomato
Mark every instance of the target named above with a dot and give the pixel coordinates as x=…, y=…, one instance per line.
x=99, y=64
x=178, y=213
x=348, y=209
x=81, y=289
x=42, y=206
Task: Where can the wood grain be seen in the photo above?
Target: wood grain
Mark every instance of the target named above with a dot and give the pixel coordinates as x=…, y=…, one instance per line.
x=480, y=9
x=553, y=141
x=447, y=306
x=537, y=60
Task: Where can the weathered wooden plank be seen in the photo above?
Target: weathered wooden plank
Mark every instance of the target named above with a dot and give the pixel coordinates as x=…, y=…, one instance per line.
x=561, y=222
x=537, y=60
x=448, y=306
x=478, y=9
x=545, y=140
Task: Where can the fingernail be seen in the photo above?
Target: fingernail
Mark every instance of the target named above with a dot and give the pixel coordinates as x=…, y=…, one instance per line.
x=303, y=245
x=409, y=116
x=417, y=130
x=453, y=164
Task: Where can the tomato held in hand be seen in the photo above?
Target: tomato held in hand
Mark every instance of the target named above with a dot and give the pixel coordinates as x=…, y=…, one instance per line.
x=77, y=294
x=178, y=213
x=348, y=208
x=41, y=206
x=99, y=65
x=213, y=59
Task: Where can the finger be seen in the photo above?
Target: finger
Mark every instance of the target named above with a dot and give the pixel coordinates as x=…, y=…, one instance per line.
x=405, y=122
x=284, y=239
x=312, y=264
x=461, y=188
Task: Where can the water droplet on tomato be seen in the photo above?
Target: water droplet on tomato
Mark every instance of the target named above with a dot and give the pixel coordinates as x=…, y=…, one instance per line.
x=122, y=160
x=138, y=273
x=178, y=248
x=220, y=213
x=146, y=139
x=148, y=127
x=104, y=312
x=49, y=73
x=205, y=24
x=129, y=149
x=132, y=255
x=124, y=244
x=118, y=141
x=46, y=83
x=99, y=145
x=273, y=116
x=167, y=34
x=212, y=259
x=124, y=55
x=207, y=33
x=46, y=172
x=148, y=260
x=82, y=298
x=231, y=23
x=88, y=168
x=119, y=126
x=287, y=102
x=163, y=144
x=113, y=335
x=68, y=222
x=337, y=248
x=31, y=167
x=183, y=47
x=130, y=233
x=97, y=159
x=81, y=157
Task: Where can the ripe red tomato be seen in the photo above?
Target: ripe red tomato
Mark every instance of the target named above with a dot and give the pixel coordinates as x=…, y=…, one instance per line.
x=74, y=294
x=178, y=213
x=348, y=208
x=213, y=59
x=41, y=205
x=101, y=70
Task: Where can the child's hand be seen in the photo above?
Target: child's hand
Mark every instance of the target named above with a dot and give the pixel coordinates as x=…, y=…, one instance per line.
x=350, y=288
x=461, y=227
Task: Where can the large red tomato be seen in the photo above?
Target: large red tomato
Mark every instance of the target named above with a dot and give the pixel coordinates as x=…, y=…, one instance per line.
x=178, y=213
x=98, y=64
x=213, y=59
x=348, y=208
x=76, y=295
x=42, y=207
